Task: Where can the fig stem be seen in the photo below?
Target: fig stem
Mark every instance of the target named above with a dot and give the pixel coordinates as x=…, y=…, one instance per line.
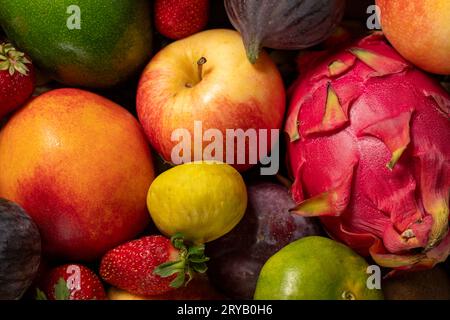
x=200, y=64
x=253, y=51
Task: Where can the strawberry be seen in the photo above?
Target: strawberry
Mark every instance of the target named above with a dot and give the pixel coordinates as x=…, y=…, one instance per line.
x=17, y=78
x=177, y=19
x=152, y=265
x=71, y=282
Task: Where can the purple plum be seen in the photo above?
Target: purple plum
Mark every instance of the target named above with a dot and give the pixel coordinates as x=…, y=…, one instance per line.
x=267, y=227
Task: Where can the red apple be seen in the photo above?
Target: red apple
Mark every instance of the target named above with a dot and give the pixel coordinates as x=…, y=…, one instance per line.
x=224, y=92
x=420, y=31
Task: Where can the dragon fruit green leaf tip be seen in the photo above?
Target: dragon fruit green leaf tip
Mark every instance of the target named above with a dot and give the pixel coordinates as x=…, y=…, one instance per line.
x=369, y=150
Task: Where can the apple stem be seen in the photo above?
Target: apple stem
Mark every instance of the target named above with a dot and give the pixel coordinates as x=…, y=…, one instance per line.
x=200, y=64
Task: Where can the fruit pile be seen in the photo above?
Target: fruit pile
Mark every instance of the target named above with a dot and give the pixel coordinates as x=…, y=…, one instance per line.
x=236, y=149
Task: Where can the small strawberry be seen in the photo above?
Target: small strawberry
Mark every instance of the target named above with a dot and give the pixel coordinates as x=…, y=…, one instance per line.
x=152, y=265
x=178, y=19
x=71, y=282
x=17, y=79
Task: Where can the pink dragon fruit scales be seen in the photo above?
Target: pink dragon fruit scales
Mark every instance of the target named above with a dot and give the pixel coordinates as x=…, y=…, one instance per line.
x=369, y=150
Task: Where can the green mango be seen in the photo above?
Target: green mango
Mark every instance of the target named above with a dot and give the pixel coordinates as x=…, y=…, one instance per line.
x=87, y=43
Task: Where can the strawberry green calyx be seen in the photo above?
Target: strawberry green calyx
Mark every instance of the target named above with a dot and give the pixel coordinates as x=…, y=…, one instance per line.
x=40, y=295
x=61, y=291
x=191, y=260
x=12, y=60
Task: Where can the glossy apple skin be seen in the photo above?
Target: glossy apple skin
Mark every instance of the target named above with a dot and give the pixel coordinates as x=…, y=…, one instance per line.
x=233, y=93
x=267, y=227
x=420, y=31
x=81, y=167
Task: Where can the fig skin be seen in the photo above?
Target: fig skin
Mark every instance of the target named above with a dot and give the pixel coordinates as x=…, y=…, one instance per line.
x=20, y=251
x=433, y=284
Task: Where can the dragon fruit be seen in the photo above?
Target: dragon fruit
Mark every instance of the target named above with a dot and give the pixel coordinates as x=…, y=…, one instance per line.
x=369, y=150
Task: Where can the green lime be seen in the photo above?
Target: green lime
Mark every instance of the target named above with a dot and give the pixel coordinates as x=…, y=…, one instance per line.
x=315, y=268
